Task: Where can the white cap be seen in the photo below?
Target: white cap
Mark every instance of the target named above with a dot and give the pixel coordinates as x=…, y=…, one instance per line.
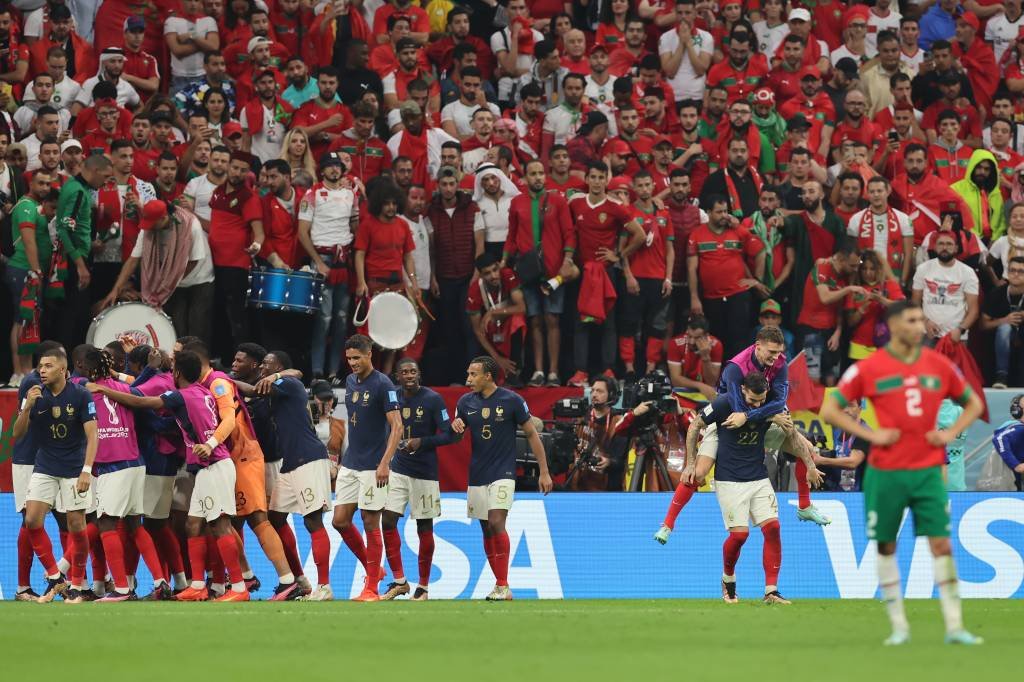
x=257, y=40
x=70, y=144
x=800, y=14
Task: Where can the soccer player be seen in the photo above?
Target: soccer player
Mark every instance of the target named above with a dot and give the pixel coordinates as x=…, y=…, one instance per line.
x=213, y=495
x=374, y=429
x=303, y=483
x=907, y=384
x=62, y=419
x=742, y=486
x=236, y=430
x=413, y=482
x=492, y=415
x=120, y=483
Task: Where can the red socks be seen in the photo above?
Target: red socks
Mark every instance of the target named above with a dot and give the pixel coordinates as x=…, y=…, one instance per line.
x=321, y=555
x=393, y=546
x=426, y=555
x=489, y=551
x=627, y=349
x=114, y=552
x=679, y=499
x=131, y=552
x=731, y=551
x=40, y=542
x=654, y=347
x=803, y=490
x=228, y=547
x=170, y=550
x=772, y=554
x=214, y=560
x=97, y=551
x=291, y=549
x=147, y=548
x=374, y=553
x=79, y=555
x=24, y=557
x=197, y=558
x=354, y=541
x=500, y=544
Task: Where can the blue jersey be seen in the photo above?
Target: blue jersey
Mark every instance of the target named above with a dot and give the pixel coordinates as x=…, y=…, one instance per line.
x=740, y=451
x=424, y=416
x=368, y=402
x=263, y=425
x=778, y=392
x=492, y=424
x=24, y=451
x=57, y=422
x=1008, y=440
x=297, y=442
x=148, y=426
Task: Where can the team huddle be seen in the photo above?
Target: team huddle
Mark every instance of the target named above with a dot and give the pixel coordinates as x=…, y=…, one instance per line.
x=168, y=464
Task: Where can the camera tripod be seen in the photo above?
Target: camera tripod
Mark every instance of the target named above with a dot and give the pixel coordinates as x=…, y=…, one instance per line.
x=648, y=453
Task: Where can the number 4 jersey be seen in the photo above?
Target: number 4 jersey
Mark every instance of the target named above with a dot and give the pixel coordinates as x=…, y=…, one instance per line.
x=906, y=396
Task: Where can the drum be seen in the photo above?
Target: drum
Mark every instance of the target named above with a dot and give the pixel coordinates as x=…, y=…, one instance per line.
x=391, y=320
x=293, y=291
x=138, y=321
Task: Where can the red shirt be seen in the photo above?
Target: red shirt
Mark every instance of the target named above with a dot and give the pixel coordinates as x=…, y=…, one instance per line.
x=739, y=83
x=906, y=396
x=498, y=332
x=291, y=31
x=573, y=186
x=383, y=60
x=621, y=62
x=814, y=313
x=440, y=53
x=280, y=229
x=648, y=262
x=722, y=259
x=819, y=112
x=98, y=141
x=864, y=332
x=950, y=166
x=144, y=162
x=557, y=234
x=866, y=132
x=418, y=19
x=311, y=113
x=369, y=158
x=385, y=244
x=581, y=67
x=784, y=83
x=680, y=353
x=231, y=217
x=970, y=120
x=170, y=195
x=597, y=226
x=141, y=65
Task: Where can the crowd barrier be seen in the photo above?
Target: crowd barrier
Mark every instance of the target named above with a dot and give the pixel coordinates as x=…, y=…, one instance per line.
x=576, y=545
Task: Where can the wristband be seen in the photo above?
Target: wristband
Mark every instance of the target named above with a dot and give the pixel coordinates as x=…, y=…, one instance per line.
x=212, y=443
x=277, y=376
x=87, y=469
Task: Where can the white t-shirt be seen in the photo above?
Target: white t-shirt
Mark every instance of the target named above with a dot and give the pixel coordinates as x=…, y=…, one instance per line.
x=266, y=144
x=126, y=95
x=192, y=65
x=461, y=115
x=492, y=218
x=1002, y=250
x=33, y=24
x=945, y=291
x=435, y=138
x=200, y=253
x=686, y=84
x=111, y=249
x=769, y=37
x=877, y=24
x=562, y=122
x=500, y=42
x=421, y=231
x=843, y=51
x=199, y=189
x=329, y=212
x=25, y=117
x=880, y=229
x=913, y=61
x=1001, y=32
x=64, y=93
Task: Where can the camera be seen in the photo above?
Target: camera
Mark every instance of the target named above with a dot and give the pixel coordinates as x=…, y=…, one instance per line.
x=570, y=408
x=655, y=388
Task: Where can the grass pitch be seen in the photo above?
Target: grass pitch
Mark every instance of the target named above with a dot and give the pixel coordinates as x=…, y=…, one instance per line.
x=525, y=641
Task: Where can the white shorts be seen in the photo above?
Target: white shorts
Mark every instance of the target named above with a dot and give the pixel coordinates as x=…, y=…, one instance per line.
x=157, y=496
x=184, y=482
x=480, y=499
x=743, y=500
x=304, y=490
x=708, y=447
x=271, y=470
x=214, y=491
x=20, y=475
x=360, y=488
x=59, y=493
x=422, y=495
x=120, y=493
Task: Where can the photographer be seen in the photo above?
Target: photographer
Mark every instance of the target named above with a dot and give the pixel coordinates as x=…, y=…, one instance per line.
x=655, y=427
x=600, y=454
x=1008, y=440
x=844, y=465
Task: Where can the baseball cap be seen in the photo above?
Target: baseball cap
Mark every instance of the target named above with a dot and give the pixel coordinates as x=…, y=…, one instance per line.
x=799, y=14
x=132, y=23
x=797, y=122
x=619, y=182
x=764, y=96
x=405, y=43
x=152, y=213
x=617, y=146
x=593, y=119
x=662, y=139
x=331, y=159
x=230, y=129
x=59, y=13
x=771, y=306
x=848, y=66
x=857, y=12
x=599, y=46
x=948, y=78
x=257, y=40
x=971, y=19
x=71, y=144
x=160, y=117
x=810, y=72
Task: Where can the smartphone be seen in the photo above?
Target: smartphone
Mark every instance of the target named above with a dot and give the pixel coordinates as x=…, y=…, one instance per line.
x=893, y=136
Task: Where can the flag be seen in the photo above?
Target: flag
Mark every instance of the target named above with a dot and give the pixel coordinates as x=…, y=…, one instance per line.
x=962, y=358
x=804, y=392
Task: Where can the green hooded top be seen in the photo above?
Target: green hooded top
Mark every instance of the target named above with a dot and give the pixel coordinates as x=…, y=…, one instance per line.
x=973, y=195
x=773, y=126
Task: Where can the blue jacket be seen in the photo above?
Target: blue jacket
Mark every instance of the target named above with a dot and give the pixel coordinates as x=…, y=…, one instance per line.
x=1008, y=440
x=936, y=24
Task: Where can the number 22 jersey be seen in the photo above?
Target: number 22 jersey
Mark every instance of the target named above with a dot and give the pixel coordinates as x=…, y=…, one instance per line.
x=492, y=423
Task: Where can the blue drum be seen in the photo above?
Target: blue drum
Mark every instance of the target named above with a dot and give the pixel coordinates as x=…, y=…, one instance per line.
x=292, y=291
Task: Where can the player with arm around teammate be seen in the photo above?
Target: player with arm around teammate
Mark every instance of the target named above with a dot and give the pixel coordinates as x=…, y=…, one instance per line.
x=491, y=415
x=907, y=384
x=413, y=482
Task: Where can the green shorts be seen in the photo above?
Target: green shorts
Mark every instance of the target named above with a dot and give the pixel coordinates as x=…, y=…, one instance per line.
x=889, y=492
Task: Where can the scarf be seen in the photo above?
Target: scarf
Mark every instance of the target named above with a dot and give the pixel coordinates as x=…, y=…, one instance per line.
x=773, y=126
x=866, y=236
x=979, y=62
x=28, y=314
x=770, y=238
x=415, y=147
x=525, y=41
x=254, y=114
x=734, y=194
x=164, y=260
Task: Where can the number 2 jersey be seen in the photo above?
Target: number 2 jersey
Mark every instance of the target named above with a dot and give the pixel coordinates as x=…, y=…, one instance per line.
x=906, y=396
x=492, y=423
x=740, y=451
x=423, y=416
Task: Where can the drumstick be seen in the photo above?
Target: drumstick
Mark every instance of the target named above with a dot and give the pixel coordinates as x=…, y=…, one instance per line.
x=423, y=305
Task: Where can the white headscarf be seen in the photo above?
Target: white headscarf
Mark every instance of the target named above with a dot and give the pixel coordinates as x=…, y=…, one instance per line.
x=508, y=187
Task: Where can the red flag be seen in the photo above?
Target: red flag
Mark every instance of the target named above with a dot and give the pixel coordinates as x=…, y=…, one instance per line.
x=804, y=392
x=962, y=358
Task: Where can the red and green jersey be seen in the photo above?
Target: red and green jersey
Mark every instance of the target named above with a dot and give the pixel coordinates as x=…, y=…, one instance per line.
x=906, y=396
x=739, y=83
x=814, y=313
x=721, y=259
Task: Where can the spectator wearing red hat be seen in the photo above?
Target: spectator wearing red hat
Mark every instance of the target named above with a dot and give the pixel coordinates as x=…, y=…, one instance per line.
x=855, y=33
x=784, y=79
x=767, y=119
x=686, y=53
x=815, y=51
x=661, y=167
x=743, y=71
x=977, y=59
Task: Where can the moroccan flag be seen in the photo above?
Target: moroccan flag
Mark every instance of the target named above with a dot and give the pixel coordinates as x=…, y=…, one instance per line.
x=962, y=358
x=804, y=392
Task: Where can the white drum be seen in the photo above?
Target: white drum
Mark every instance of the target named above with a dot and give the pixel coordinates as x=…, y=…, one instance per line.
x=391, y=320
x=138, y=321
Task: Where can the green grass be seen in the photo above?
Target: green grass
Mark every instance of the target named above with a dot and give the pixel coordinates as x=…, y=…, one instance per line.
x=526, y=641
